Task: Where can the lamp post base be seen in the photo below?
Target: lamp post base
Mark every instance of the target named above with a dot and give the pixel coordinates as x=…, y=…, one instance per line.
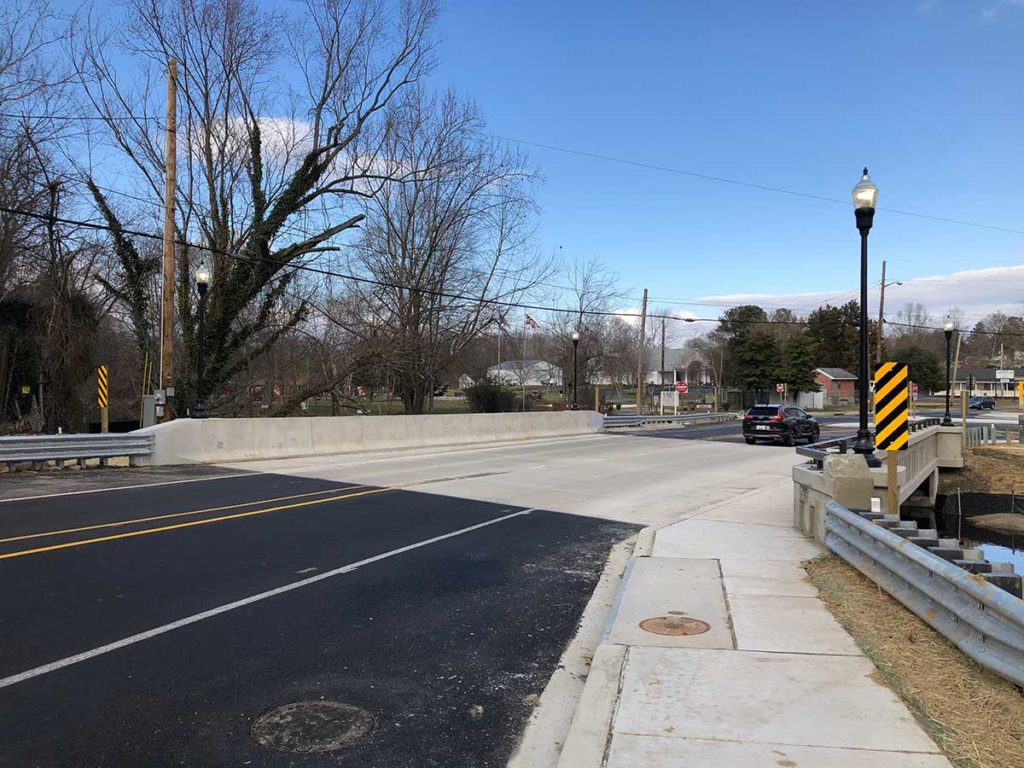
x=199, y=412
x=947, y=422
x=866, y=447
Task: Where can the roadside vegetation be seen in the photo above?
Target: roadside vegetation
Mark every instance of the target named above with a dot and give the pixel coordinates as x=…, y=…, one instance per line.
x=988, y=469
x=976, y=717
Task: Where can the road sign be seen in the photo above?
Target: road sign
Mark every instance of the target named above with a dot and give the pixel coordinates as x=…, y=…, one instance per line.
x=780, y=388
x=682, y=387
x=101, y=386
x=916, y=389
x=1020, y=388
x=892, y=430
x=1004, y=375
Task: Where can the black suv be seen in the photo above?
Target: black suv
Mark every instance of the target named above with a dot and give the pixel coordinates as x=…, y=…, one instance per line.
x=982, y=403
x=781, y=423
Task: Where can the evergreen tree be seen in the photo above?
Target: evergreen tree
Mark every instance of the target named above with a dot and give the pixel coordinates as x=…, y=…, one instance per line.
x=799, y=360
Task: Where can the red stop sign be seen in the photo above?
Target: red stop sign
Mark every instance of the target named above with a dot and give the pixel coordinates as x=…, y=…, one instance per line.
x=681, y=387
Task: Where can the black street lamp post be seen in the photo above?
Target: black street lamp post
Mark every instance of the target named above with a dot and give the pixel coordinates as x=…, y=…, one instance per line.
x=947, y=331
x=575, y=369
x=865, y=198
x=202, y=284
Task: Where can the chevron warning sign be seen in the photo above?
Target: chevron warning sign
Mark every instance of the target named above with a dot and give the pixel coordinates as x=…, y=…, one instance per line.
x=892, y=432
x=101, y=386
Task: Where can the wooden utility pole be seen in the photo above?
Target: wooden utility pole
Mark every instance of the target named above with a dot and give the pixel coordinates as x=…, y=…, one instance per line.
x=661, y=371
x=167, y=295
x=640, y=357
x=881, y=319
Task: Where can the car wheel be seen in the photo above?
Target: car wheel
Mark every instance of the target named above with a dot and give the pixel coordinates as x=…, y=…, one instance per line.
x=787, y=438
x=750, y=440
x=815, y=436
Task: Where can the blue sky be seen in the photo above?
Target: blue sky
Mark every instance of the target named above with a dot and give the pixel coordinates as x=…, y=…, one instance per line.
x=798, y=95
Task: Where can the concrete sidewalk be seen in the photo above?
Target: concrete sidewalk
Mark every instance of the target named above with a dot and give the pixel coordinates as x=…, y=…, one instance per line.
x=772, y=682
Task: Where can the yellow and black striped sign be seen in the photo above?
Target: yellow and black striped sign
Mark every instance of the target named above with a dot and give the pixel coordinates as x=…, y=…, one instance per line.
x=892, y=432
x=101, y=386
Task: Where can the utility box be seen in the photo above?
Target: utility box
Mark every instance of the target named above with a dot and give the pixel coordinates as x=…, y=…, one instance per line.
x=148, y=410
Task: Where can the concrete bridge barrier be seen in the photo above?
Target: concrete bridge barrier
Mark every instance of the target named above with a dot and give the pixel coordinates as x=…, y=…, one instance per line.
x=211, y=441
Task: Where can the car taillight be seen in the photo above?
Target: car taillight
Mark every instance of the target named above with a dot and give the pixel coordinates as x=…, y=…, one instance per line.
x=747, y=417
x=776, y=418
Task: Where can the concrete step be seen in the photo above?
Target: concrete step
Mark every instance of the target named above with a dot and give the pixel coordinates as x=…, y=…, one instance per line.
x=974, y=566
x=950, y=543
x=925, y=542
x=972, y=553
x=928, y=533
x=1010, y=582
x=952, y=554
x=1002, y=567
x=906, y=533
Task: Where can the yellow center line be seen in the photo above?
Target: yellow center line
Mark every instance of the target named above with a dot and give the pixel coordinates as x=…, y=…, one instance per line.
x=174, y=514
x=176, y=526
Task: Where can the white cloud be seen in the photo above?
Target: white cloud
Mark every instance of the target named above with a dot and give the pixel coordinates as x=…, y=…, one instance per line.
x=976, y=292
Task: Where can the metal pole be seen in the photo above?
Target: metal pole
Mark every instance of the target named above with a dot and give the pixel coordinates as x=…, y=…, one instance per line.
x=640, y=357
x=167, y=295
x=864, y=444
x=881, y=318
x=575, y=374
x=200, y=410
x=947, y=421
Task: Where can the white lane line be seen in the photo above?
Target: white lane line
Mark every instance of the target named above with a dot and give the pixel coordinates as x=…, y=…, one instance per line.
x=129, y=487
x=150, y=633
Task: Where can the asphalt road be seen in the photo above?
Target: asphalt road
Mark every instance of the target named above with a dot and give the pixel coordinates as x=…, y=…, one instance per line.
x=150, y=626
x=730, y=431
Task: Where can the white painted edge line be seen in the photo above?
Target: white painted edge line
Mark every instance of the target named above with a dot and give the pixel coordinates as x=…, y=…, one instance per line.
x=150, y=633
x=129, y=487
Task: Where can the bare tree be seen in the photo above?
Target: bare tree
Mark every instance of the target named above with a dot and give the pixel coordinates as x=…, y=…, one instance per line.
x=446, y=236
x=266, y=173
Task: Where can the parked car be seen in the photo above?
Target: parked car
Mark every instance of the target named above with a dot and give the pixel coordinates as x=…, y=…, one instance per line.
x=780, y=423
x=980, y=403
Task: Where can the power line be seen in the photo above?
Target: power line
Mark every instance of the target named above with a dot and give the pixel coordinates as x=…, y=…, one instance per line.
x=747, y=184
x=98, y=226
x=77, y=118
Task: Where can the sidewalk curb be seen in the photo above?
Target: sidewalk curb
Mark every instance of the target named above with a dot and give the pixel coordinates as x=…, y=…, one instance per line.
x=645, y=542
x=588, y=737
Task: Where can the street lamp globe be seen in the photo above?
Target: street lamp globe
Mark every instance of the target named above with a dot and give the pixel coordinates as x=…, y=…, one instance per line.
x=203, y=275
x=948, y=327
x=575, y=335
x=865, y=194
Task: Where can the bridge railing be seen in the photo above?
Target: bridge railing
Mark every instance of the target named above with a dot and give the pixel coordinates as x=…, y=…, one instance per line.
x=680, y=419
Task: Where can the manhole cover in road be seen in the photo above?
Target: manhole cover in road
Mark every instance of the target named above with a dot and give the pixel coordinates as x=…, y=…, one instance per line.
x=674, y=625
x=313, y=726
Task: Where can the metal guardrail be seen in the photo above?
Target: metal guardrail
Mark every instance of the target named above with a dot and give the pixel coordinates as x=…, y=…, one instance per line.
x=682, y=418
x=60, y=448
x=818, y=451
x=982, y=620
x=992, y=434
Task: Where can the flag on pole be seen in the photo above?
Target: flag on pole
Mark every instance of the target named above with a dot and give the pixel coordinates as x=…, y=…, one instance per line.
x=531, y=322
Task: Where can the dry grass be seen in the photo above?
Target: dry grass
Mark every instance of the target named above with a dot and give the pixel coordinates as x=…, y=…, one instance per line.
x=976, y=717
x=988, y=469
x=1011, y=525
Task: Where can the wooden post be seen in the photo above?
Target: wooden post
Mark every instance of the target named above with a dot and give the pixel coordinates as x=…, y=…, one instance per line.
x=892, y=468
x=597, y=398
x=167, y=295
x=963, y=425
x=640, y=357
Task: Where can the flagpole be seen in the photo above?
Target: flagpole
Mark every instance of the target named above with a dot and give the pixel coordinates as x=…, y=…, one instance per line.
x=525, y=332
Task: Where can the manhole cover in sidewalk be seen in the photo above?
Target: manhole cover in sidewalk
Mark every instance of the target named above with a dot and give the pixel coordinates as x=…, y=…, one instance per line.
x=674, y=625
x=313, y=726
